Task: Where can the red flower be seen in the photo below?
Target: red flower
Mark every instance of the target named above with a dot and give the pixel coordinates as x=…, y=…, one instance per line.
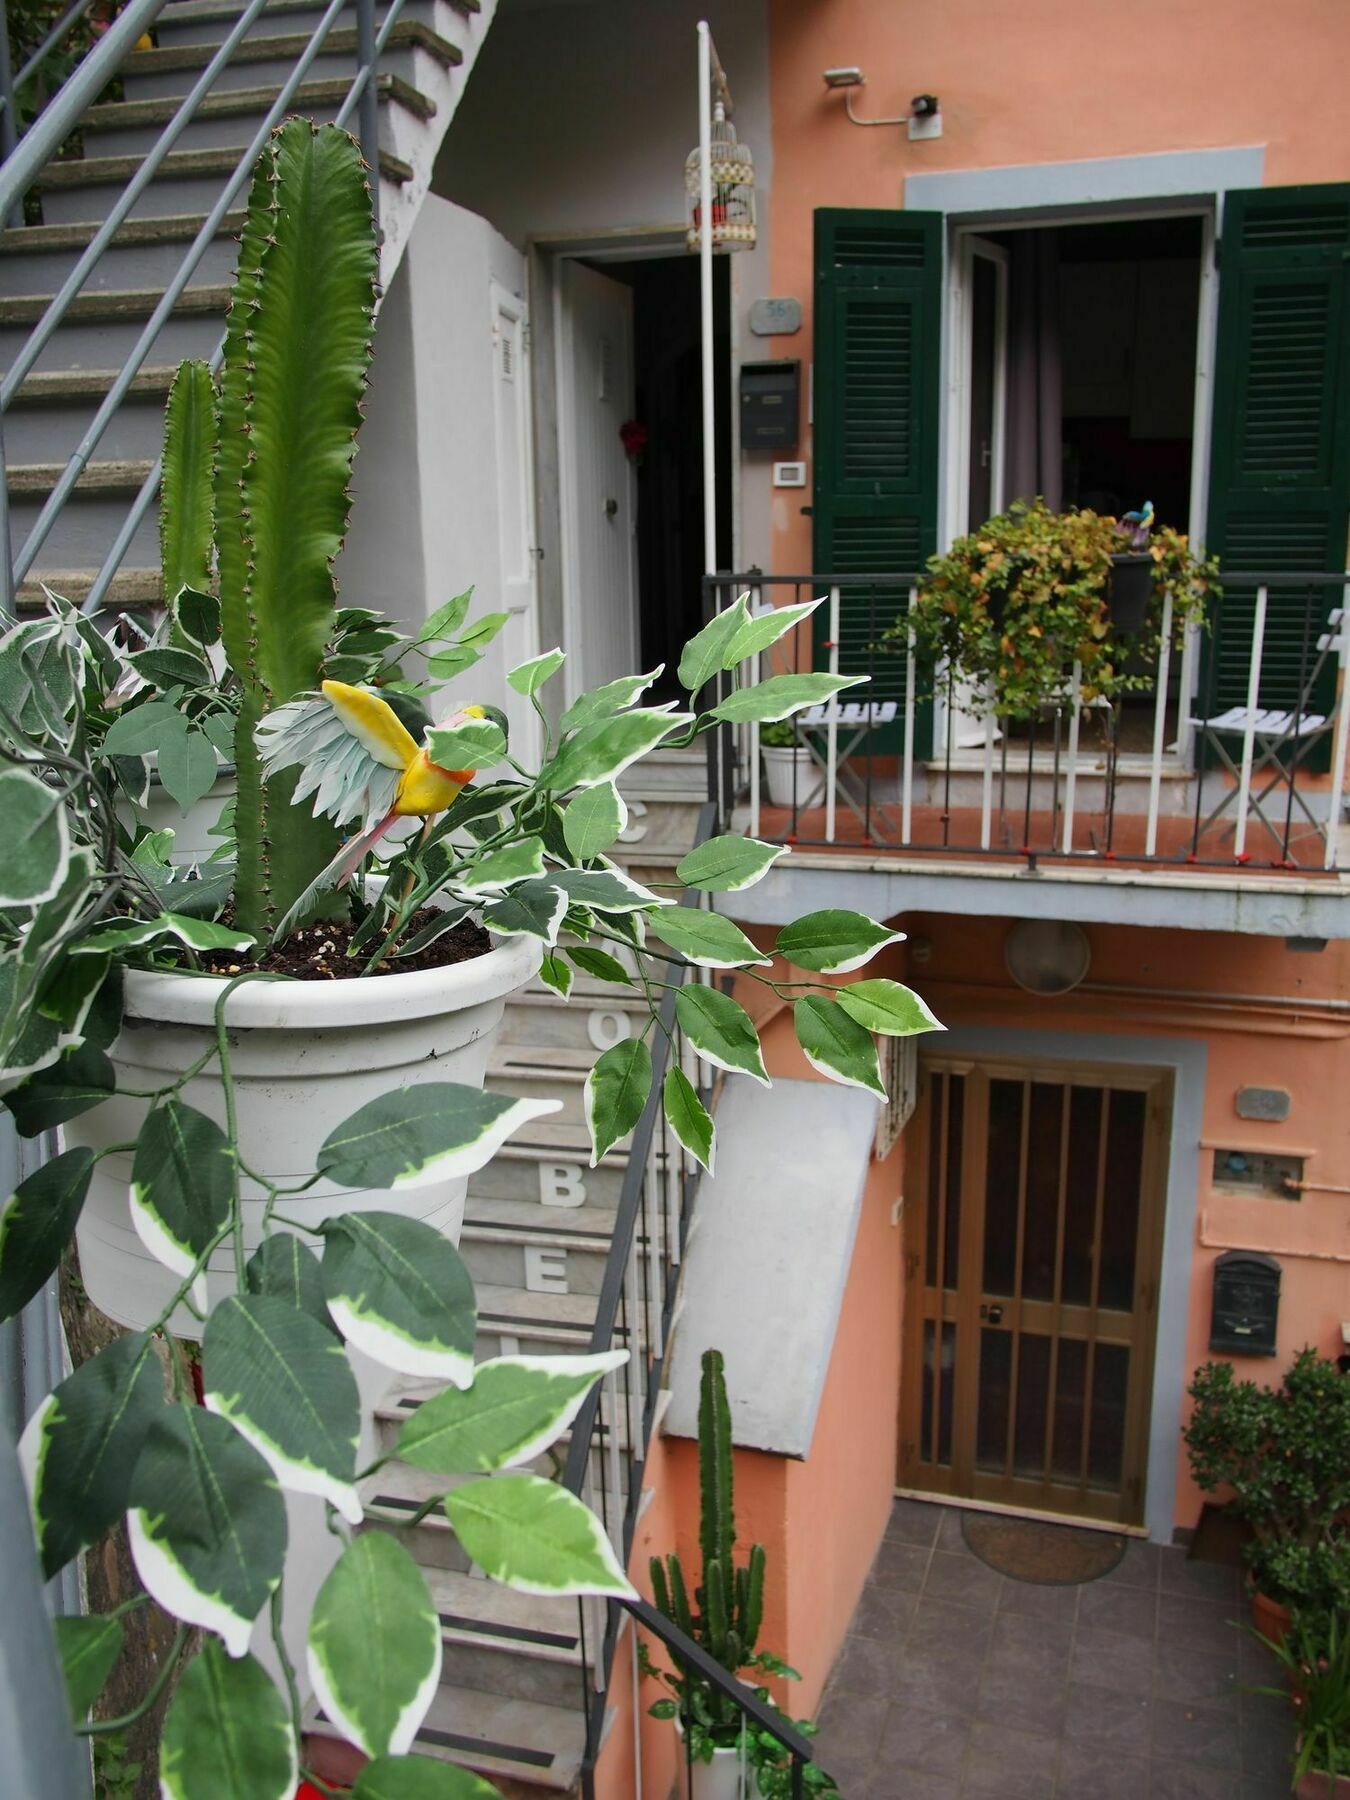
x=633, y=437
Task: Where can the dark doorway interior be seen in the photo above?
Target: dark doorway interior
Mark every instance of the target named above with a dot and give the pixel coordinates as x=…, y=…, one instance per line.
x=670, y=465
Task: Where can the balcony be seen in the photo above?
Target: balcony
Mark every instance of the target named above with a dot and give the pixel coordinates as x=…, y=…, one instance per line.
x=1211, y=796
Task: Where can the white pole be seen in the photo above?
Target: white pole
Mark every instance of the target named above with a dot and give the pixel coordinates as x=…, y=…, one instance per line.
x=1160, y=726
x=987, y=786
x=1341, y=737
x=832, y=721
x=1071, y=780
x=705, y=269
x=1249, y=728
x=907, y=772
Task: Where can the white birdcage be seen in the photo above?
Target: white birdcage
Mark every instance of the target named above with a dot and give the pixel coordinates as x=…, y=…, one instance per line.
x=733, y=189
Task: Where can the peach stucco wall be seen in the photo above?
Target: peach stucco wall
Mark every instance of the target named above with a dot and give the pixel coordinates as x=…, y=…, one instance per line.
x=1039, y=81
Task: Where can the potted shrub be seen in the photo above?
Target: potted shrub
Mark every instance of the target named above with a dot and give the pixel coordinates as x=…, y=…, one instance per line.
x=1315, y=1654
x=1013, y=606
x=723, y=1615
x=1283, y=1455
x=791, y=773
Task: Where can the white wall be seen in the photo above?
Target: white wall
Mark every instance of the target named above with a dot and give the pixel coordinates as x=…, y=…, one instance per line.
x=437, y=474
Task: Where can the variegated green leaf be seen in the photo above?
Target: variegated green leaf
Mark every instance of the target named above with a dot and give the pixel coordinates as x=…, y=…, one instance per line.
x=688, y=1117
x=476, y=744
x=128, y=934
x=604, y=702
x=709, y=939
x=88, y=1645
x=80, y=1447
x=77, y=1080
x=606, y=890
x=781, y=696
x=284, y=1381
x=398, y=1291
x=528, y=677
x=516, y=1408
x=533, y=909
x=833, y=942
x=419, y=1778
x=721, y=1030
x=501, y=868
x=616, y=1092
x=836, y=1045
x=706, y=652
x=594, y=821
x=536, y=1537
x=415, y=1135
x=600, y=964
x=36, y=1224
x=762, y=631
x=187, y=768
x=554, y=973
x=284, y=1266
x=375, y=1646
x=724, y=865
x=182, y=1187
x=227, y=1733
x=36, y=837
x=601, y=751
x=887, y=1007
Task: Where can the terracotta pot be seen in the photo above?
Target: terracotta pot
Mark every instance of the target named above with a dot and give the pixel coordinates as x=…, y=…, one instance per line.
x=1317, y=1785
x=1270, y=1617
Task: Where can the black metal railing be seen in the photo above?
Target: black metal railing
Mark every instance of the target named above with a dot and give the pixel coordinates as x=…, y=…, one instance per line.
x=24, y=159
x=1231, y=754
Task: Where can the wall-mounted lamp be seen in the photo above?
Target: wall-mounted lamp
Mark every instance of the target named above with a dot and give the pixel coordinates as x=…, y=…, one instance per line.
x=924, y=117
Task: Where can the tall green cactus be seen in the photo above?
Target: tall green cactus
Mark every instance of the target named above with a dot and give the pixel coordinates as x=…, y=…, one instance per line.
x=730, y=1600
x=187, y=487
x=297, y=350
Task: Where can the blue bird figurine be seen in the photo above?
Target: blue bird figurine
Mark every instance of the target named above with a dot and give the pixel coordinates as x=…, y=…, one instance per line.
x=1138, y=525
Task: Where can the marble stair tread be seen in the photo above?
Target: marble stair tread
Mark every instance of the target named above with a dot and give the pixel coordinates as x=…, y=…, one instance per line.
x=568, y=1227
x=265, y=46
x=526, y=1740
x=503, y=1307
x=571, y=1062
x=559, y=1138
x=473, y=1610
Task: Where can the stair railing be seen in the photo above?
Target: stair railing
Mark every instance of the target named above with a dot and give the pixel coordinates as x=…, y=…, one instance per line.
x=24, y=164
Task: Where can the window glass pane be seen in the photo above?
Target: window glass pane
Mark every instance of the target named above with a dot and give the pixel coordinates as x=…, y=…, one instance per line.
x=1033, y=1382
x=1039, y=1245
x=1070, y=1380
x=946, y=1390
x=1106, y=1445
x=926, y=1408
x=1080, y=1203
x=1001, y=1183
x=937, y=1088
x=991, y=1434
x=951, y=1247
x=1120, y=1215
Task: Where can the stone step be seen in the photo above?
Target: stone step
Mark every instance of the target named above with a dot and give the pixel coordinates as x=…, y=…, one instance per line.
x=100, y=329
x=556, y=1177
x=208, y=21
x=585, y=1021
x=129, y=127
x=129, y=587
x=522, y=1740
x=54, y=407
x=78, y=189
x=558, y=1073
x=36, y=259
x=659, y=820
x=512, y=1243
x=266, y=59
x=523, y=1646
x=680, y=771
x=92, y=514
x=513, y=1321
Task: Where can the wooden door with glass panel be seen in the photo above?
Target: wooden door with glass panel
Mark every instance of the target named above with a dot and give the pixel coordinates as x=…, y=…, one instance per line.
x=1033, y=1239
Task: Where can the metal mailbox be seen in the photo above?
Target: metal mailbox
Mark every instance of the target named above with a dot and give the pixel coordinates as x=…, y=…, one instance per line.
x=770, y=405
x=1246, y=1303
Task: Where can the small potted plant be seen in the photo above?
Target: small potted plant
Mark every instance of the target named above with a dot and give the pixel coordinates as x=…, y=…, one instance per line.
x=1315, y=1654
x=791, y=773
x=1283, y=1456
x=1011, y=608
x=723, y=1614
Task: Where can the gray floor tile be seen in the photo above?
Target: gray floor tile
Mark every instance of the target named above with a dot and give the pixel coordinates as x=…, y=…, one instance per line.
x=1197, y=1677
x=1138, y=1567
x=915, y=1738
x=1105, y=1716
x=1014, y=1695
x=914, y=1522
x=1266, y=1742
x=1203, y=1734
x=1192, y=1781
x=883, y=1612
x=1204, y=1624
x=964, y=1630
x=850, y=1727
x=899, y=1783
x=899, y=1564
x=1043, y=1643
x=1131, y=1611
x=852, y=1776
x=1111, y=1659
x=1092, y=1772
x=1019, y=1765
x=865, y=1669
x=951, y=1534
x=941, y=1682
x=1034, y=1600
x=962, y=1578
x=1178, y=1574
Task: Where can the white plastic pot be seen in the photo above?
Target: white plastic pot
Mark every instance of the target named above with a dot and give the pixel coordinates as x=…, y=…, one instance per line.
x=726, y=1777
x=192, y=840
x=304, y=1056
x=792, y=776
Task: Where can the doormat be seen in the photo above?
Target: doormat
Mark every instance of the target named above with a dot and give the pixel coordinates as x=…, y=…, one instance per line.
x=1030, y=1550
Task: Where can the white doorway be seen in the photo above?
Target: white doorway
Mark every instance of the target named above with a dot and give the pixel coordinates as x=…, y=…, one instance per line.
x=596, y=489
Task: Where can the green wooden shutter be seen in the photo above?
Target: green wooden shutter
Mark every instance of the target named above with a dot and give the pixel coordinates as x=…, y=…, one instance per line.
x=1279, y=496
x=877, y=352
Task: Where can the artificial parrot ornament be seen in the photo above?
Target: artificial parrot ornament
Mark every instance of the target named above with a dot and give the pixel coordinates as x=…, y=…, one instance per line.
x=359, y=760
x=1137, y=525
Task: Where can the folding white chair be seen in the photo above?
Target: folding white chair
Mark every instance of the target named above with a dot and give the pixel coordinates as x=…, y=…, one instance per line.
x=853, y=719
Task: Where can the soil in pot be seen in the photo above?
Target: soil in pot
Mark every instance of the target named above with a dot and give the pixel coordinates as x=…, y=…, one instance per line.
x=319, y=952
x=1129, y=589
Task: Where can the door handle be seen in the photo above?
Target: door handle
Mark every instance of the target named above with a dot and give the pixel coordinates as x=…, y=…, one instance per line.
x=611, y=507
x=994, y=1314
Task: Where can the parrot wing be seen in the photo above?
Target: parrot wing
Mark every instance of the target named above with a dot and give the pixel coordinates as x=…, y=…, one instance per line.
x=347, y=782
x=373, y=722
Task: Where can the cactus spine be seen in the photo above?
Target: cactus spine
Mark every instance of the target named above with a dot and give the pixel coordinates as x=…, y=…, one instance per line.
x=297, y=350
x=730, y=1600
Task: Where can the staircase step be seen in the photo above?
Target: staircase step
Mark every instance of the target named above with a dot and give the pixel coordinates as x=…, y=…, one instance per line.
x=187, y=18
x=555, y=1178
x=129, y=126
x=512, y=1319
x=129, y=587
x=54, y=407
x=587, y=1021
x=287, y=47
x=509, y=1242
x=122, y=478
x=38, y=258
x=524, y=1740
x=522, y=1646
x=557, y=1073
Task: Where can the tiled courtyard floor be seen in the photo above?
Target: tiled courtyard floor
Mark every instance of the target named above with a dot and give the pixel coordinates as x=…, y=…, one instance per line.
x=957, y=1681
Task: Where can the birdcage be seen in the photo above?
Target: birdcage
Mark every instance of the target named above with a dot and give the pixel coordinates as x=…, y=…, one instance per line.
x=733, y=189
